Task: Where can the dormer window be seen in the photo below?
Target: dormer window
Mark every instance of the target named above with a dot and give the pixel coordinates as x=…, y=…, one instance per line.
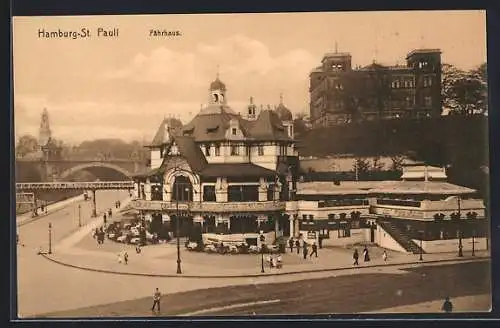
x=260, y=150
x=207, y=150
x=217, y=150
x=233, y=131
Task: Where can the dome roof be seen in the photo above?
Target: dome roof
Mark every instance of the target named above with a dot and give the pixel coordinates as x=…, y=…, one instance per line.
x=217, y=85
x=283, y=113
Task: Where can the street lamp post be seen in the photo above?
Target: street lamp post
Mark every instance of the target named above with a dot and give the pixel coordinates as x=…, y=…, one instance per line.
x=460, y=246
x=177, y=230
x=79, y=215
x=421, y=246
x=473, y=242
x=50, y=238
x=262, y=239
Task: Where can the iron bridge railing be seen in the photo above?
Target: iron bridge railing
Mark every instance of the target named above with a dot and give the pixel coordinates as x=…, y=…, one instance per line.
x=110, y=185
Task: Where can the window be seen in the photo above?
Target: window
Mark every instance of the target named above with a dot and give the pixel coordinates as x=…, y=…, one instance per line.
x=260, y=150
x=247, y=150
x=207, y=150
x=304, y=217
x=233, y=131
x=428, y=101
x=243, y=193
x=217, y=150
x=282, y=150
x=311, y=217
x=209, y=193
x=235, y=150
x=270, y=192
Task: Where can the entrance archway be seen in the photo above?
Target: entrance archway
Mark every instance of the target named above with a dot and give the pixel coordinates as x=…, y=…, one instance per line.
x=182, y=189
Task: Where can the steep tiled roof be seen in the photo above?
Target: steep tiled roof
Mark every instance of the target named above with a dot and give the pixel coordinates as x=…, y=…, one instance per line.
x=175, y=128
x=191, y=152
x=268, y=126
x=212, y=127
x=236, y=170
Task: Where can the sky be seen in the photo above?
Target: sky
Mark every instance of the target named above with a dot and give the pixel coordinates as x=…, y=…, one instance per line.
x=122, y=87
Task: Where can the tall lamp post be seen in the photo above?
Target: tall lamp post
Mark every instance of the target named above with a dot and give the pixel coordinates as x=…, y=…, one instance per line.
x=460, y=246
x=421, y=246
x=50, y=238
x=79, y=215
x=177, y=230
x=473, y=242
x=262, y=239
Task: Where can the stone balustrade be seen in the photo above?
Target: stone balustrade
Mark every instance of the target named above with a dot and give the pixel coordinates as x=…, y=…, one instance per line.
x=210, y=206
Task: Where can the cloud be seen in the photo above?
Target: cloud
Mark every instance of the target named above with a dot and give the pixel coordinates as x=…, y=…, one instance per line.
x=246, y=66
x=76, y=121
x=129, y=102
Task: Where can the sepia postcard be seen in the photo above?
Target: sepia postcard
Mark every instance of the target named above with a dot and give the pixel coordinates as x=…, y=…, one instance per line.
x=215, y=165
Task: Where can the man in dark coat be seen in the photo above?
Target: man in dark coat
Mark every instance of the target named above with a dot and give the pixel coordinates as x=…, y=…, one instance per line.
x=447, y=305
x=355, y=256
x=305, y=251
x=297, y=244
x=290, y=243
x=314, y=250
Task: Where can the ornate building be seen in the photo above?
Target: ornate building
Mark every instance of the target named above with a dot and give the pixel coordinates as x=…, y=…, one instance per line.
x=340, y=94
x=221, y=174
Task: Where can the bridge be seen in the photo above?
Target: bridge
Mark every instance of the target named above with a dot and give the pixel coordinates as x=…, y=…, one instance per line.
x=27, y=187
x=95, y=185
x=61, y=170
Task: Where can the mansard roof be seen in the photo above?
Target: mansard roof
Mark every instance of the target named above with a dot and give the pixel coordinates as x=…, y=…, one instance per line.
x=212, y=127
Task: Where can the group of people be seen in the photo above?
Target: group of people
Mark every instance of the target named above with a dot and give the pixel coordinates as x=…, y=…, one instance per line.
x=366, y=256
x=305, y=249
x=123, y=257
x=275, y=261
x=98, y=234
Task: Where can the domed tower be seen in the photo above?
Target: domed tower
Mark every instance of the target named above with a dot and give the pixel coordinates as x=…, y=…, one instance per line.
x=252, y=110
x=217, y=92
x=285, y=116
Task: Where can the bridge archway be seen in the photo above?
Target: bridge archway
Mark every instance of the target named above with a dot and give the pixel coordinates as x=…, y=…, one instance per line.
x=66, y=174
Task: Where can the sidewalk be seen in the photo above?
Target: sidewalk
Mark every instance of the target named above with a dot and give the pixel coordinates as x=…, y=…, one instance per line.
x=474, y=303
x=51, y=208
x=160, y=261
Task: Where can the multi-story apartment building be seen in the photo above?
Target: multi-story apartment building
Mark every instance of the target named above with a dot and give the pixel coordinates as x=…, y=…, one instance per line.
x=340, y=93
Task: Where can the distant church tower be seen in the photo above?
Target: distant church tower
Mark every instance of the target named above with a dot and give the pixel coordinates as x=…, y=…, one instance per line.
x=44, y=134
x=252, y=110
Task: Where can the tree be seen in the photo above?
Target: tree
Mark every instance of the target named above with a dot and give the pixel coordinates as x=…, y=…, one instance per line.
x=464, y=92
x=397, y=162
x=377, y=164
x=361, y=167
x=300, y=126
x=25, y=145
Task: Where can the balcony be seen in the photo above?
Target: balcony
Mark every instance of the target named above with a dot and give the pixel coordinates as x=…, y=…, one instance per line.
x=228, y=207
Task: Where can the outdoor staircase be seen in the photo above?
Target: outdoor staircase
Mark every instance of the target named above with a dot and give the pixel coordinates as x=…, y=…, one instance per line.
x=400, y=237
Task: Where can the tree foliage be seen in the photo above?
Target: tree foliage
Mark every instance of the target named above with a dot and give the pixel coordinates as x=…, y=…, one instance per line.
x=25, y=145
x=465, y=92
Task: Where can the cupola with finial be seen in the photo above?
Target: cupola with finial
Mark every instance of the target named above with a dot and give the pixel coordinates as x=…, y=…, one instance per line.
x=217, y=91
x=252, y=110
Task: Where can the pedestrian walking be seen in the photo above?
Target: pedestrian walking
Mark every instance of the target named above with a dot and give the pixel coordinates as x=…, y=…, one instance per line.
x=384, y=256
x=110, y=213
x=125, y=258
x=297, y=245
x=156, y=300
x=366, y=255
x=279, y=262
x=305, y=251
x=355, y=256
x=290, y=243
x=447, y=305
x=314, y=250
x=104, y=218
x=138, y=249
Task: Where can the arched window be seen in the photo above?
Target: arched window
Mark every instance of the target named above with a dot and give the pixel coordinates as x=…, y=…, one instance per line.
x=182, y=189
